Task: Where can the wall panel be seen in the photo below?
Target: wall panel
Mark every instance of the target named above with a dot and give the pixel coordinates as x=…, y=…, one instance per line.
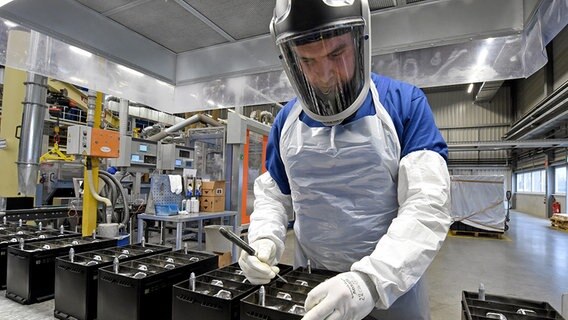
x=560, y=54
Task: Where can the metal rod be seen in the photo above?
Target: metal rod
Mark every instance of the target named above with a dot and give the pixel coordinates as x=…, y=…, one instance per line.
x=231, y=236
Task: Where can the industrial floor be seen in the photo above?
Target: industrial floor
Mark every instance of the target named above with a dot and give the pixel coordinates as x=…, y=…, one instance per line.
x=530, y=262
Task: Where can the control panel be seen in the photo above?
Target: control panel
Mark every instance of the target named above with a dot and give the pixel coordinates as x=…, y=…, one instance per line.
x=87, y=141
x=184, y=157
x=143, y=152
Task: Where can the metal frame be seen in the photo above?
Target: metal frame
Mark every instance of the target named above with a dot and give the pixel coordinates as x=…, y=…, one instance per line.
x=237, y=127
x=180, y=220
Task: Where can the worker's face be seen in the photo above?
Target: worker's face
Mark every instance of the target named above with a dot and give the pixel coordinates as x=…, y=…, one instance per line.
x=328, y=64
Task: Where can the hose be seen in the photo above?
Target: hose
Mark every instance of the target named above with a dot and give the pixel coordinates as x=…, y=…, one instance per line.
x=117, y=183
x=113, y=196
x=93, y=192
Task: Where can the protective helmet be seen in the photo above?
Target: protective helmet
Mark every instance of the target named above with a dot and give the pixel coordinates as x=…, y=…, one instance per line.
x=325, y=50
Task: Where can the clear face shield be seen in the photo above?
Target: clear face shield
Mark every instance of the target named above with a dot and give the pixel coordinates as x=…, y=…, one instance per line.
x=327, y=69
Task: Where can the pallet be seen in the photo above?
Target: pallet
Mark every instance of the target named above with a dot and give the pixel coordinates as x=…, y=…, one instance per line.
x=563, y=229
x=563, y=225
x=559, y=221
x=477, y=234
x=560, y=217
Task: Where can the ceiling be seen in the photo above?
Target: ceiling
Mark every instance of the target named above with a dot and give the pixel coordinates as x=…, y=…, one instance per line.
x=190, y=41
x=185, y=25
x=200, y=46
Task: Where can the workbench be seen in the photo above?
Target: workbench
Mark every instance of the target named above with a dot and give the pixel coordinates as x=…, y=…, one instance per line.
x=180, y=219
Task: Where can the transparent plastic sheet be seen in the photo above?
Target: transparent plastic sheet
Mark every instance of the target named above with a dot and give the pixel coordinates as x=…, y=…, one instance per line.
x=550, y=19
x=502, y=58
x=478, y=201
x=261, y=88
x=69, y=64
x=474, y=61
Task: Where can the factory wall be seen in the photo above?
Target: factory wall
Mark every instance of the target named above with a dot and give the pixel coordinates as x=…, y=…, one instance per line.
x=530, y=203
x=530, y=91
x=560, y=56
x=461, y=119
x=527, y=94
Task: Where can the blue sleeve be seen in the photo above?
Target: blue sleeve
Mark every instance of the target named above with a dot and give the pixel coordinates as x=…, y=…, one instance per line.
x=420, y=130
x=412, y=116
x=274, y=163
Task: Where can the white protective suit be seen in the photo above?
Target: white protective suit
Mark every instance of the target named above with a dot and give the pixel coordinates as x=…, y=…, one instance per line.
x=377, y=215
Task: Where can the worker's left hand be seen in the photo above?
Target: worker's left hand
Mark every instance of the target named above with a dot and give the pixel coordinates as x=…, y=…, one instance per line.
x=343, y=297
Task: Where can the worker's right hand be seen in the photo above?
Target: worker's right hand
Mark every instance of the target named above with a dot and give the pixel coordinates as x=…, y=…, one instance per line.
x=260, y=269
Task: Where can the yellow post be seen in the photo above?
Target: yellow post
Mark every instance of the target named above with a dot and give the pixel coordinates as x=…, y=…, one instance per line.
x=90, y=205
x=14, y=93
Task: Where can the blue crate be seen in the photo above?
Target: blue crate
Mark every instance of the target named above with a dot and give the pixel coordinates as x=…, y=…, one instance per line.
x=166, y=209
x=123, y=240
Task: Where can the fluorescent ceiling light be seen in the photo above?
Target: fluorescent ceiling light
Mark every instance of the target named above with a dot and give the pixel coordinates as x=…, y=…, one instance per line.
x=77, y=80
x=10, y=24
x=131, y=71
x=80, y=51
x=470, y=88
x=211, y=102
x=482, y=56
x=5, y=2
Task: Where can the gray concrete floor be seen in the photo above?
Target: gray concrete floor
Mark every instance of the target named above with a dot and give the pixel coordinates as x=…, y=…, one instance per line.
x=530, y=263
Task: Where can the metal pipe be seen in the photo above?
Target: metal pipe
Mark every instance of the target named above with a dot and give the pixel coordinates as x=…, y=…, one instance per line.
x=118, y=185
x=123, y=117
x=33, y=118
x=191, y=120
x=31, y=133
x=91, y=104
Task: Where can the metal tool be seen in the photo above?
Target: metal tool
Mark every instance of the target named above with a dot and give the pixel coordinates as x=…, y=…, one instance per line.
x=231, y=236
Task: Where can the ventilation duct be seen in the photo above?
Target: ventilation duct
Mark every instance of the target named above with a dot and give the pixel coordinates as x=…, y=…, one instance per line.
x=32, y=121
x=487, y=91
x=189, y=121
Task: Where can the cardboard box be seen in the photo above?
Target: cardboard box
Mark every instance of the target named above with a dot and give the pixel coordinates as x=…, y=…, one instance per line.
x=213, y=188
x=212, y=204
x=224, y=258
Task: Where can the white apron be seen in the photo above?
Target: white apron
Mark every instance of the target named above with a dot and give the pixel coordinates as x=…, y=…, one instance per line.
x=343, y=182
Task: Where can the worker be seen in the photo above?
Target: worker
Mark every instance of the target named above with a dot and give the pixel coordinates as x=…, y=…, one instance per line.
x=358, y=158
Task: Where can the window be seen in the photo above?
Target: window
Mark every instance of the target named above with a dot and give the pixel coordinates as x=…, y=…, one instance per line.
x=521, y=182
x=537, y=181
x=560, y=179
x=534, y=181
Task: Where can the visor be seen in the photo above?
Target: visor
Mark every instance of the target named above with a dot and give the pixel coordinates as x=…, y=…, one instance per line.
x=327, y=69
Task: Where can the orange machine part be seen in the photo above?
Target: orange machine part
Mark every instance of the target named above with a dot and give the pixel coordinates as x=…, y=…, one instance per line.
x=105, y=143
x=245, y=218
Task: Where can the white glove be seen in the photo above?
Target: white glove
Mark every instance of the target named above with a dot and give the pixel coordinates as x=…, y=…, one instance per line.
x=343, y=297
x=260, y=269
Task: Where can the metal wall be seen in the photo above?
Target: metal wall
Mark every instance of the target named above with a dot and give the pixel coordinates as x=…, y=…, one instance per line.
x=529, y=92
x=479, y=172
x=460, y=120
x=559, y=53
